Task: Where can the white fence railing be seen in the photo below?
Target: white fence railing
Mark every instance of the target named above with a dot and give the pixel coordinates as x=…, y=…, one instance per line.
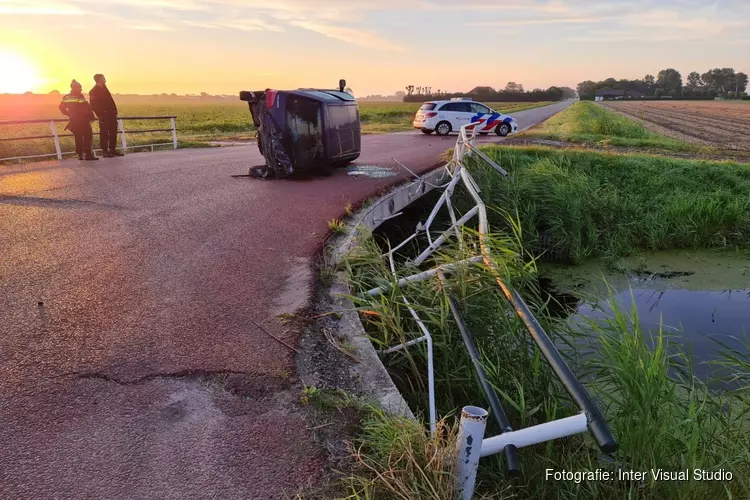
x=55, y=135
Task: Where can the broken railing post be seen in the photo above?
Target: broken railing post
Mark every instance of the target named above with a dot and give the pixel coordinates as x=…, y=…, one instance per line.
x=469, y=449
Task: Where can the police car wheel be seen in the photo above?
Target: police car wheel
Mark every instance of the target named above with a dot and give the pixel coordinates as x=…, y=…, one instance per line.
x=443, y=128
x=503, y=129
x=427, y=132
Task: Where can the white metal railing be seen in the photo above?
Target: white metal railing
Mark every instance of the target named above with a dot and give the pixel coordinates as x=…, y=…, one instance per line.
x=55, y=135
x=471, y=443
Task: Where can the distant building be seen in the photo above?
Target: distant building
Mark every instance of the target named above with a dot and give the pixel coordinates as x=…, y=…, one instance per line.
x=634, y=94
x=608, y=94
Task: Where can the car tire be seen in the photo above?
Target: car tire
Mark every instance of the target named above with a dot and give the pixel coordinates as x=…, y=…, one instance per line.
x=443, y=128
x=427, y=132
x=503, y=129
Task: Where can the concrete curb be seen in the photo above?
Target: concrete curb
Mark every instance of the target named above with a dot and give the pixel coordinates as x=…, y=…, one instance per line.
x=370, y=372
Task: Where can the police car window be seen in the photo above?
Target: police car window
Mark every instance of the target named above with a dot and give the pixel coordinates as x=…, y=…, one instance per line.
x=428, y=106
x=462, y=107
x=479, y=108
x=449, y=106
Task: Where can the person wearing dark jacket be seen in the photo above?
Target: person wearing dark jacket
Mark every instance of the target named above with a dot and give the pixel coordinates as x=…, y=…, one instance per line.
x=106, y=110
x=80, y=116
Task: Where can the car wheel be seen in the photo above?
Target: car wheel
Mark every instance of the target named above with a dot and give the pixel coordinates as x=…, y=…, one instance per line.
x=503, y=129
x=427, y=132
x=443, y=128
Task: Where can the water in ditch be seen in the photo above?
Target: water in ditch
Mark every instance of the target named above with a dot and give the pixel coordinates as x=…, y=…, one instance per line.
x=700, y=299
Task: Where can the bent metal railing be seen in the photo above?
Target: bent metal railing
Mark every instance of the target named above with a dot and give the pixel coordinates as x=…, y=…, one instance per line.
x=55, y=135
x=472, y=444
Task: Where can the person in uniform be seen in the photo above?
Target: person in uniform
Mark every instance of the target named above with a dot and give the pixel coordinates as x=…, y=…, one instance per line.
x=80, y=116
x=104, y=106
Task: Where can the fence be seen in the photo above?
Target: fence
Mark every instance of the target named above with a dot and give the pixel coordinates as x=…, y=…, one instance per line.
x=55, y=135
x=472, y=443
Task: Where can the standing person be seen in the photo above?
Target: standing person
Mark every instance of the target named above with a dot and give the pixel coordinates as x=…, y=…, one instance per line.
x=106, y=110
x=80, y=116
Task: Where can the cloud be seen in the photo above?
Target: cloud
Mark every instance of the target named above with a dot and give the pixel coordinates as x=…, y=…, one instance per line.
x=353, y=36
x=38, y=8
x=529, y=21
x=150, y=26
x=251, y=25
x=199, y=25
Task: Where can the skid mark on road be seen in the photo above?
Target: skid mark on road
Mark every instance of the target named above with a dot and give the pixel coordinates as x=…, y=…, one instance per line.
x=297, y=288
x=56, y=203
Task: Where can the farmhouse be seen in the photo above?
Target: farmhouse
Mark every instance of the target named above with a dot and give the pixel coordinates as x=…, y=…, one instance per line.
x=634, y=94
x=607, y=94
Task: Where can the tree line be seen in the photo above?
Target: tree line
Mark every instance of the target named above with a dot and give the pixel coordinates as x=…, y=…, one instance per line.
x=717, y=82
x=512, y=92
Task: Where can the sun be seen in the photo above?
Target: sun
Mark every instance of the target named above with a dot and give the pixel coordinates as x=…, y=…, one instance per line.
x=19, y=74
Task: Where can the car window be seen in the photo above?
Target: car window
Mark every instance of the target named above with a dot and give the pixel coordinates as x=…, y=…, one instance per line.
x=479, y=108
x=428, y=106
x=462, y=107
x=449, y=106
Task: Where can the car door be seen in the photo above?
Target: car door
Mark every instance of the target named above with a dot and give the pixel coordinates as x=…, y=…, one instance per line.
x=463, y=114
x=447, y=112
x=483, y=115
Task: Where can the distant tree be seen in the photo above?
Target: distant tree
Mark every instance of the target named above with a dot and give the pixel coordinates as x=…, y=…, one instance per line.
x=28, y=92
x=740, y=84
x=205, y=94
x=349, y=91
x=409, y=89
x=586, y=88
x=694, y=85
x=400, y=93
x=482, y=90
x=554, y=93
x=54, y=93
x=670, y=81
x=649, y=79
x=568, y=93
x=513, y=87
x=173, y=95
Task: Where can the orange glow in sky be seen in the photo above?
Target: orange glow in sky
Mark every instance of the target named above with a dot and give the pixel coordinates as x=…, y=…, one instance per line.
x=19, y=74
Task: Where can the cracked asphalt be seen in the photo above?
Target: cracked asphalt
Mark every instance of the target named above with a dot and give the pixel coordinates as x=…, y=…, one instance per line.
x=131, y=290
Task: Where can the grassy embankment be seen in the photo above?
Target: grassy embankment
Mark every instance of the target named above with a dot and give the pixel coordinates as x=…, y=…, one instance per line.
x=198, y=123
x=588, y=203
x=587, y=122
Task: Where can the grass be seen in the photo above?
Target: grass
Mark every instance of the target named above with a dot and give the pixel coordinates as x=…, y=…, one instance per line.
x=576, y=204
x=588, y=122
x=663, y=418
x=198, y=123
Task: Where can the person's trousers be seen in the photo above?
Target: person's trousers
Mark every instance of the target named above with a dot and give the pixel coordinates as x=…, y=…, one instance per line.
x=108, y=133
x=83, y=135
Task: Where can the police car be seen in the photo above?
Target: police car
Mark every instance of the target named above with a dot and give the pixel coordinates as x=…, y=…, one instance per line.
x=444, y=117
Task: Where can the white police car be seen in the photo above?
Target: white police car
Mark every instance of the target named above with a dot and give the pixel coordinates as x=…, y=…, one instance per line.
x=444, y=117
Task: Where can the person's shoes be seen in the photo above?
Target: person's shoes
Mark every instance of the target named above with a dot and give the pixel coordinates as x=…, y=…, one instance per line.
x=90, y=156
x=107, y=154
x=114, y=152
x=80, y=156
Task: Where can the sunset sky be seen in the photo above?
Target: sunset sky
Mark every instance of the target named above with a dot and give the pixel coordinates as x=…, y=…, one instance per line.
x=379, y=46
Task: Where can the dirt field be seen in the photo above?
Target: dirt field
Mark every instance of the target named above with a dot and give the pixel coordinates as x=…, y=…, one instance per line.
x=724, y=124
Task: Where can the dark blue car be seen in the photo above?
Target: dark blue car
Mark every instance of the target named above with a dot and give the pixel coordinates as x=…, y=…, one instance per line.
x=304, y=129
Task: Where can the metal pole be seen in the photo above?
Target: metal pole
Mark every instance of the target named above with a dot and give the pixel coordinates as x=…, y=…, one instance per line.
x=469, y=449
x=53, y=128
x=536, y=434
x=511, y=453
x=174, y=133
x=124, y=141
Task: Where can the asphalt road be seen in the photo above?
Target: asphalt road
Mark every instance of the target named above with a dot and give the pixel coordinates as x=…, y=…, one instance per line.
x=131, y=363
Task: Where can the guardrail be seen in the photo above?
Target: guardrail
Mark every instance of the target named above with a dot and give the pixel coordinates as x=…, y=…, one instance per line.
x=472, y=444
x=55, y=135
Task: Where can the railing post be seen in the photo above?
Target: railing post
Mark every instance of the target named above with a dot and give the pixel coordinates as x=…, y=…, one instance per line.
x=124, y=141
x=53, y=128
x=469, y=449
x=174, y=133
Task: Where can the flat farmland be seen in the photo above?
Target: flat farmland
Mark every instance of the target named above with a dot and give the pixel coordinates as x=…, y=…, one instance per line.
x=724, y=124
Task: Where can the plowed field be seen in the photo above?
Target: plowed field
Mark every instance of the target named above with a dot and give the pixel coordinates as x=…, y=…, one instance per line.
x=724, y=124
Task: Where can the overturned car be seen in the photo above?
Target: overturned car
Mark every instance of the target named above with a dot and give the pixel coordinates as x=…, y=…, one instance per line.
x=304, y=129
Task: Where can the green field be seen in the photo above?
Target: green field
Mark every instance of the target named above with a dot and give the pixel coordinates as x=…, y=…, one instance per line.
x=587, y=122
x=197, y=123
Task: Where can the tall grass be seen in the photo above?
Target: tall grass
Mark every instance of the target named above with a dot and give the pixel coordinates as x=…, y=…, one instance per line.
x=588, y=122
x=663, y=418
x=579, y=204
